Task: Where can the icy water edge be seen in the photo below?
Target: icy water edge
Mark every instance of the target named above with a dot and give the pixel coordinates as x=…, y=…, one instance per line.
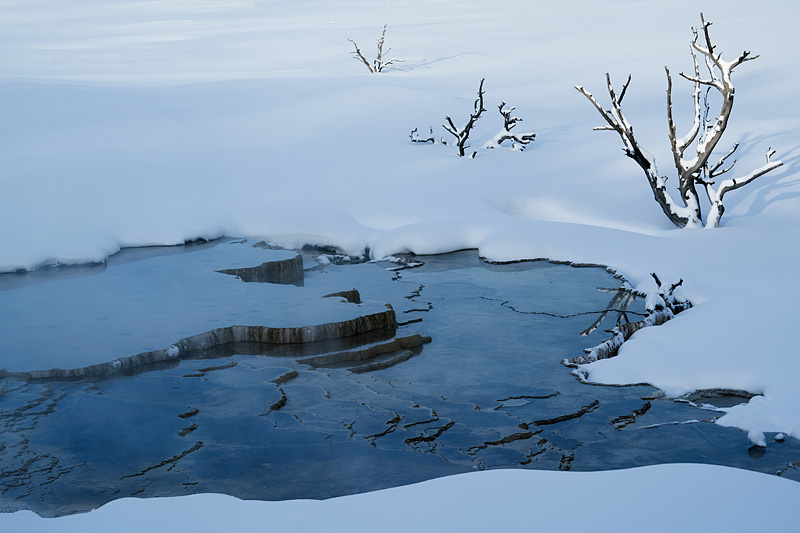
x=261, y=422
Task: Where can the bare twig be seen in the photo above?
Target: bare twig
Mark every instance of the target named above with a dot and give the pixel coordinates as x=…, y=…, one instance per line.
x=359, y=56
x=378, y=63
x=415, y=138
x=462, y=134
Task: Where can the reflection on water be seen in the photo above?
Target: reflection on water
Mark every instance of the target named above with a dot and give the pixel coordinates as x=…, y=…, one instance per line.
x=255, y=422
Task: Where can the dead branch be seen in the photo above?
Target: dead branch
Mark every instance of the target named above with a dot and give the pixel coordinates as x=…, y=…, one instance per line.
x=518, y=141
x=415, y=138
x=617, y=122
x=378, y=63
x=462, y=134
x=359, y=56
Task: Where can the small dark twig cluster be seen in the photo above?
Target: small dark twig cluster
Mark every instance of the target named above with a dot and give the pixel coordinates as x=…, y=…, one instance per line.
x=518, y=141
x=415, y=138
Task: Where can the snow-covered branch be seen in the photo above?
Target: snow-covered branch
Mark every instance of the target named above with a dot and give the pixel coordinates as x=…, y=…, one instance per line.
x=680, y=216
x=701, y=140
x=518, y=141
x=716, y=196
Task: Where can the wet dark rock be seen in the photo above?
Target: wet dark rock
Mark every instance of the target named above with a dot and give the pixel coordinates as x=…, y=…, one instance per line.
x=283, y=378
x=280, y=403
x=202, y=372
x=170, y=461
x=285, y=271
x=402, y=340
x=505, y=440
x=570, y=416
x=756, y=452
x=383, y=365
x=185, y=431
x=625, y=420
x=351, y=296
x=719, y=397
x=428, y=437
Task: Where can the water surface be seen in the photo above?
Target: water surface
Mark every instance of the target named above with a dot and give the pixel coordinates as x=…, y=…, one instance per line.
x=249, y=420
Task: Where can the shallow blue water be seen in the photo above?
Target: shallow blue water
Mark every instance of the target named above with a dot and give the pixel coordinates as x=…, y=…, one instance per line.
x=488, y=392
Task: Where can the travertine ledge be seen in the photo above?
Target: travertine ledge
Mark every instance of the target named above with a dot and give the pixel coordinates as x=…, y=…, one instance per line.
x=384, y=320
x=283, y=271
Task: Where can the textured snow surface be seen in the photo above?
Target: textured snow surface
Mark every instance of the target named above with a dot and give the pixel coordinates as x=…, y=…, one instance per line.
x=677, y=497
x=137, y=123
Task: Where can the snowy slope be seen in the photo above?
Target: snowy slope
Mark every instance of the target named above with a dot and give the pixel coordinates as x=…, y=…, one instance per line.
x=134, y=123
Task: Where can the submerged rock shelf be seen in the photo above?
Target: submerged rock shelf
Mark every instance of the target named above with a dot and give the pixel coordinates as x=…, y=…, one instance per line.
x=153, y=308
x=384, y=320
x=281, y=271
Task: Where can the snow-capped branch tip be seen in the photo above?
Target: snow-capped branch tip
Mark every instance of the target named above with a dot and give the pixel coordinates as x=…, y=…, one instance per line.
x=662, y=289
x=380, y=64
x=745, y=56
x=770, y=153
x=613, y=124
x=735, y=183
x=718, y=170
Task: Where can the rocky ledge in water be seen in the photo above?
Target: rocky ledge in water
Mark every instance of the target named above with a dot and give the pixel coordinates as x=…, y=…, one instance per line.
x=163, y=307
x=279, y=271
x=384, y=320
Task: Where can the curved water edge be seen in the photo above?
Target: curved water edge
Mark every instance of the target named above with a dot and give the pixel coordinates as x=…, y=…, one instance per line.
x=663, y=312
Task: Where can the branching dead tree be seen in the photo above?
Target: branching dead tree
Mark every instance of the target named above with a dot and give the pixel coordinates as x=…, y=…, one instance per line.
x=518, y=141
x=692, y=152
x=378, y=64
x=462, y=134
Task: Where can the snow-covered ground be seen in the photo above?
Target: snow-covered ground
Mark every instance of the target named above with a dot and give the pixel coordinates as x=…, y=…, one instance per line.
x=133, y=123
x=654, y=499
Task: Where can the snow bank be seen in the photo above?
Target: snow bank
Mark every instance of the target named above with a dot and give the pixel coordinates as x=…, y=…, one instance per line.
x=679, y=497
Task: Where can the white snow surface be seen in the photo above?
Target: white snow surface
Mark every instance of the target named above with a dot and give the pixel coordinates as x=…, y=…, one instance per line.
x=133, y=123
x=702, y=498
